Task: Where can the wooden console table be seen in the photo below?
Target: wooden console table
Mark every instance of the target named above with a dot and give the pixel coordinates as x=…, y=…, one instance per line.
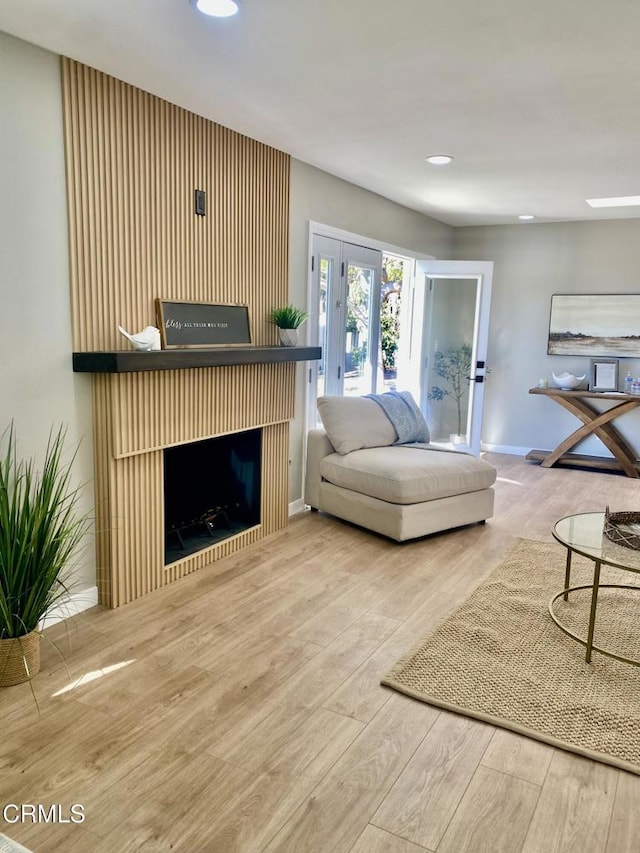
x=593, y=423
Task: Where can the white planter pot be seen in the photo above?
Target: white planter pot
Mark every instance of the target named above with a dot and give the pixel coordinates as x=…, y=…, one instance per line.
x=456, y=438
x=288, y=337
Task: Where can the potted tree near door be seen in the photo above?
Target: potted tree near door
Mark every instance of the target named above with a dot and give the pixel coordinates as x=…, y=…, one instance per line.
x=40, y=531
x=453, y=366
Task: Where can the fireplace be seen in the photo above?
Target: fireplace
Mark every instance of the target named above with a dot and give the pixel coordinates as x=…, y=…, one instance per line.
x=211, y=491
x=143, y=415
x=130, y=244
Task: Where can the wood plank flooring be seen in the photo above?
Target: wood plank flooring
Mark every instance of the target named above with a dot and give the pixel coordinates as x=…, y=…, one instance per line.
x=241, y=709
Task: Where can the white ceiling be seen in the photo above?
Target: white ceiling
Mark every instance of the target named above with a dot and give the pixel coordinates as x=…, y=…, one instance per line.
x=538, y=101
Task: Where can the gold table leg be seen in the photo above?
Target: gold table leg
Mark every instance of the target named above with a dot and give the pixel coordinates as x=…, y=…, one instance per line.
x=588, y=643
x=567, y=575
x=594, y=606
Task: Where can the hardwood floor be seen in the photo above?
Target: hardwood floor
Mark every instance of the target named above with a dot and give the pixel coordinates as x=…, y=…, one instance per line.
x=241, y=710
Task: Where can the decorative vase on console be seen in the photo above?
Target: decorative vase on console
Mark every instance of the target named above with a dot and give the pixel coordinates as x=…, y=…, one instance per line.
x=567, y=381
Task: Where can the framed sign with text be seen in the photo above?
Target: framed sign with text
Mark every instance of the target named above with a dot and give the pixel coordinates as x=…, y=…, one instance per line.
x=202, y=324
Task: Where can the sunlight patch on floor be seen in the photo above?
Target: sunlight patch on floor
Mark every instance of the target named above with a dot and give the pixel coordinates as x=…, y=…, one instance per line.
x=88, y=677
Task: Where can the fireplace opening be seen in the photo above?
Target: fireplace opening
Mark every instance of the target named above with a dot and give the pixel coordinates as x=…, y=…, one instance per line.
x=211, y=491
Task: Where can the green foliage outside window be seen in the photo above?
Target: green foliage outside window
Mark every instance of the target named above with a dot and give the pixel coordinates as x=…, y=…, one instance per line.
x=388, y=337
x=392, y=276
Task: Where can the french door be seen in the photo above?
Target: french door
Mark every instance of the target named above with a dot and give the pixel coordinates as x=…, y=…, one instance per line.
x=443, y=347
x=442, y=342
x=345, y=314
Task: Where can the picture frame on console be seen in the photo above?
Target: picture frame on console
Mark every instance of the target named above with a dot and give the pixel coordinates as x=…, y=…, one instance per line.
x=595, y=325
x=604, y=375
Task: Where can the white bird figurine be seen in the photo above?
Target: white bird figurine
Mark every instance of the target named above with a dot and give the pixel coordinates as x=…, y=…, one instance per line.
x=146, y=340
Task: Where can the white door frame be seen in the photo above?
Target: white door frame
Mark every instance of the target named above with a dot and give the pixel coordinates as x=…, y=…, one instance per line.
x=322, y=230
x=482, y=272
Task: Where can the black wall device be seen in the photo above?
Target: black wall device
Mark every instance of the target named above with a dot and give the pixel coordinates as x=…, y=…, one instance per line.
x=200, y=202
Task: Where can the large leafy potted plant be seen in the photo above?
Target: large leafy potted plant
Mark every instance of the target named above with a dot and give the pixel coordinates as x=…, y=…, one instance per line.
x=288, y=319
x=40, y=531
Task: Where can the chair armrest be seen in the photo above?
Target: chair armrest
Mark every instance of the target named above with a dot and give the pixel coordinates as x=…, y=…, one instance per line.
x=318, y=446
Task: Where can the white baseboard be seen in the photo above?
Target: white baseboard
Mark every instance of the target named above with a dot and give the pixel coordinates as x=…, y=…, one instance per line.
x=296, y=506
x=511, y=450
x=73, y=604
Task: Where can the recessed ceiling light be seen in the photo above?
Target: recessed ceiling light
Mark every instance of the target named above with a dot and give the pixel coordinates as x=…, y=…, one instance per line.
x=439, y=159
x=526, y=216
x=620, y=201
x=217, y=8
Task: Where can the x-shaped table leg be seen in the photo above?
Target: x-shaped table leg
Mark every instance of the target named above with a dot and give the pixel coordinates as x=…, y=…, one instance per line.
x=599, y=424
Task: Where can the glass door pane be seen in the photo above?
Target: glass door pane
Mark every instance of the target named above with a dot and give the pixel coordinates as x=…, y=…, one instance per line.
x=344, y=320
x=362, y=273
x=396, y=274
x=357, y=367
x=445, y=356
x=452, y=313
x=326, y=274
x=324, y=321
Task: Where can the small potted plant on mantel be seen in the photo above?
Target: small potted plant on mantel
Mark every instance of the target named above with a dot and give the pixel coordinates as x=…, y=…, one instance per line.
x=40, y=530
x=288, y=320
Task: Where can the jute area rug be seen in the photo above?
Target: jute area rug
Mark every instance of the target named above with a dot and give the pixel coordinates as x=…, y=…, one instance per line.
x=8, y=845
x=501, y=659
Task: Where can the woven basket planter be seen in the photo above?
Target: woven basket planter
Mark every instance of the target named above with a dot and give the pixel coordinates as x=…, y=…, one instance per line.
x=19, y=659
x=623, y=528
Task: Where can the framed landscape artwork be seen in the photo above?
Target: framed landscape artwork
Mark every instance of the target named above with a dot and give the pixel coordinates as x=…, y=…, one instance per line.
x=595, y=325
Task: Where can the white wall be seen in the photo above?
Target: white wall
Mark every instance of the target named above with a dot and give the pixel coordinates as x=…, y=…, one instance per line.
x=38, y=389
x=319, y=197
x=532, y=262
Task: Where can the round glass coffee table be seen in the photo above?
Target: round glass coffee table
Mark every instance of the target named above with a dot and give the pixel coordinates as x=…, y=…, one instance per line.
x=584, y=534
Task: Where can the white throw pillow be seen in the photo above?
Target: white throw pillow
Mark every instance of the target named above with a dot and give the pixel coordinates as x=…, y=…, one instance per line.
x=352, y=423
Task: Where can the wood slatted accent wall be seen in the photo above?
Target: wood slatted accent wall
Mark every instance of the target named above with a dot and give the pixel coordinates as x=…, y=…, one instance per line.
x=197, y=403
x=133, y=162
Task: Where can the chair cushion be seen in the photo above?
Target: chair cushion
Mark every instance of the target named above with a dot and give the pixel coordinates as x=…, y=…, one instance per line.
x=352, y=423
x=407, y=475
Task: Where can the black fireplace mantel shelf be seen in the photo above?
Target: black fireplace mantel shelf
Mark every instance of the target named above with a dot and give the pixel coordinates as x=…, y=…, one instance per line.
x=130, y=361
